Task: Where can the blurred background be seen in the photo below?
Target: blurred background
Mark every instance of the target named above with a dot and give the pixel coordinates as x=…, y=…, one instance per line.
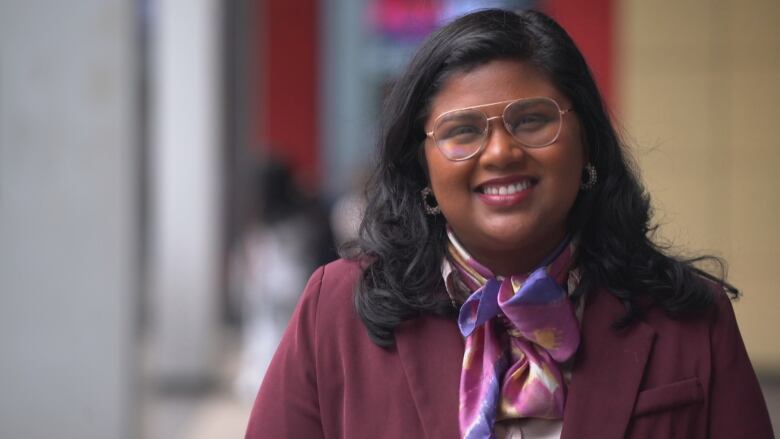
x=171, y=171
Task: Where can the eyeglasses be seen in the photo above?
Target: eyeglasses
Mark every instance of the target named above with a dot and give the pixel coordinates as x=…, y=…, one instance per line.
x=461, y=134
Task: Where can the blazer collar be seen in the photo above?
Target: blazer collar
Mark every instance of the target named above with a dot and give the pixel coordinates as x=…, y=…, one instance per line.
x=607, y=371
x=431, y=353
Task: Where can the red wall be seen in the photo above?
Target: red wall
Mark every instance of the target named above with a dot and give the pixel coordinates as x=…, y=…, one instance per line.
x=287, y=98
x=591, y=25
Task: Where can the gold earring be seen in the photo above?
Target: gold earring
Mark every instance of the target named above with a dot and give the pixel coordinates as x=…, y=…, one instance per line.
x=426, y=192
x=589, y=177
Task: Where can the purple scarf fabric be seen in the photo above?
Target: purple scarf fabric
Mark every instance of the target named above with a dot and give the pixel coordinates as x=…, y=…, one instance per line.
x=517, y=329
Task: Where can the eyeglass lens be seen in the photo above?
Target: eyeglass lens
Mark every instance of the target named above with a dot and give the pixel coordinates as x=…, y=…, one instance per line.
x=532, y=122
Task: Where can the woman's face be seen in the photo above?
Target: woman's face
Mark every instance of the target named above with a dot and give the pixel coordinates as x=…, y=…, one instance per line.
x=509, y=233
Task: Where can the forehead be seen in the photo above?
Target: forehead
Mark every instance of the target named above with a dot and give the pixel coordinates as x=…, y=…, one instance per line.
x=496, y=81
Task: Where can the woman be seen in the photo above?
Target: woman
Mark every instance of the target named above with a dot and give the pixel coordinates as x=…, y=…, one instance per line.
x=504, y=284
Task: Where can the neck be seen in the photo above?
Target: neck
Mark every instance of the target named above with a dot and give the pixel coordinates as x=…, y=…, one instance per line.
x=510, y=263
x=513, y=261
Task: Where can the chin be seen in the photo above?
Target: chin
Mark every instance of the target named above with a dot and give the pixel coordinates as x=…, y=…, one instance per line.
x=511, y=236
x=522, y=238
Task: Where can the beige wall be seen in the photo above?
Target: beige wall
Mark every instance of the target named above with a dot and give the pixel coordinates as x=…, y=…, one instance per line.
x=699, y=99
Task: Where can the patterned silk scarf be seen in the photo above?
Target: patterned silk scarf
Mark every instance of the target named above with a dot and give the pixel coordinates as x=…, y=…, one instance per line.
x=517, y=329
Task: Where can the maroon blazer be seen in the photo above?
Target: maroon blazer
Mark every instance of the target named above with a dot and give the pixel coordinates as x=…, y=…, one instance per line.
x=660, y=378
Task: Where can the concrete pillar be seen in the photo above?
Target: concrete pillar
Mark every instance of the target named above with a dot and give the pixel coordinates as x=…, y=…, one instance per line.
x=185, y=194
x=68, y=219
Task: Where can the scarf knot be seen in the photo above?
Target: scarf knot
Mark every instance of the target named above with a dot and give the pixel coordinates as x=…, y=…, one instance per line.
x=517, y=330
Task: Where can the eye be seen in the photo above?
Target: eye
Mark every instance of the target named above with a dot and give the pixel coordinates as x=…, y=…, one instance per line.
x=461, y=127
x=529, y=121
x=464, y=131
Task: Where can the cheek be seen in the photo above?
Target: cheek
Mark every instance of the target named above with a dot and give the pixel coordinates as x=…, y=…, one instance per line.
x=573, y=166
x=571, y=158
x=564, y=168
x=437, y=176
x=572, y=176
x=451, y=189
x=442, y=173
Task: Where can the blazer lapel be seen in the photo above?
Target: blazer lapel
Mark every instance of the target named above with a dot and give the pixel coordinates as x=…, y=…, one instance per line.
x=607, y=371
x=431, y=353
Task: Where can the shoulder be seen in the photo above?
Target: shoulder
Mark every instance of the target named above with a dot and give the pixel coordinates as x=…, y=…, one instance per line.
x=332, y=284
x=695, y=328
x=327, y=303
x=341, y=274
x=712, y=307
x=722, y=310
x=310, y=362
x=710, y=320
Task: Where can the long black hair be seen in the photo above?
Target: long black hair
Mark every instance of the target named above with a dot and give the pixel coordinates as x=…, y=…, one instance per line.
x=401, y=248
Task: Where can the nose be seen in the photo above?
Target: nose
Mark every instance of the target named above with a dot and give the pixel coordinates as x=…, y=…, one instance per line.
x=501, y=149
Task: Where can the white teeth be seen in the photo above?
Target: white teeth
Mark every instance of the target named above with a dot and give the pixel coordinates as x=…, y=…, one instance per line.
x=507, y=189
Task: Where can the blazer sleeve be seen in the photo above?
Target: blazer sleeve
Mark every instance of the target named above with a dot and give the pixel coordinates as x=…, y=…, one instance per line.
x=737, y=406
x=287, y=404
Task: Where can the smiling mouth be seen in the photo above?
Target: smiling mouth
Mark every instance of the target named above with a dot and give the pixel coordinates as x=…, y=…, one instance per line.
x=505, y=189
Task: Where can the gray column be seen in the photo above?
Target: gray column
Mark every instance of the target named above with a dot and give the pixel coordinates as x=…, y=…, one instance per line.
x=68, y=219
x=185, y=190
x=347, y=100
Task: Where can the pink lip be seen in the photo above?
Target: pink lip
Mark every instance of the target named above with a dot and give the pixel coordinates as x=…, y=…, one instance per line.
x=509, y=199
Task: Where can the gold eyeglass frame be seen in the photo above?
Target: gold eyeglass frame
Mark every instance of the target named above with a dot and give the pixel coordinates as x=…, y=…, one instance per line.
x=486, y=136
